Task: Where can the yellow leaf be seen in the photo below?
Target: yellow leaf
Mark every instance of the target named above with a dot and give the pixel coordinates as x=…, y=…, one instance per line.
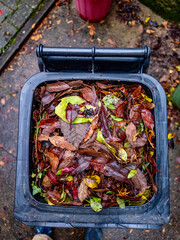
x=170, y=136
x=178, y=68
x=146, y=97
x=122, y=154
x=58, y=22
x=92, y=181
x=170, y=71
x=147, y=19
x=33, y=25
x=60, y=109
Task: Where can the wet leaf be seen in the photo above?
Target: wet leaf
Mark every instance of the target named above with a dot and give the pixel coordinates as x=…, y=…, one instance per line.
x=61, y=142
x=110, y=101
x=147, y=118
x=122, y=154
x=60, y=109
x=132, y=173
x=89, y=94
x=35, y=189
x=138, y=180
x=103, y=122
x=92, y=181
x=57, y=87
x=59, y=172
x=82, y=191
x=95, y=204
x=72, y=112
x=118, y=119
x=74, y=133
x=120, y=202
x=101, y=139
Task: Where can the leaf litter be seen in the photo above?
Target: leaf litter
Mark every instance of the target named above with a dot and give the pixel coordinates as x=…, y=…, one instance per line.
x=95, y=146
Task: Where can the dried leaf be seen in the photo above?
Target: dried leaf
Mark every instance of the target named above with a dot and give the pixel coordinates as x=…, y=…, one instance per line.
x=57, y=87
x=103, y=122
x=54, y=160
x=46, y=182
x=122, y=154
x=47, y=98
x=61, y=142
x=82, y=191
x=74, y=133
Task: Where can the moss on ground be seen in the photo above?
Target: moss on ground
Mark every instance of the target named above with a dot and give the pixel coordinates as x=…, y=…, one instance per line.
x=168, y=9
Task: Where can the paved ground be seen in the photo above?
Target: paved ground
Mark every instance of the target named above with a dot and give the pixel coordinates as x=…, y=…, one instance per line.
x=14, y=14
x=63, y=27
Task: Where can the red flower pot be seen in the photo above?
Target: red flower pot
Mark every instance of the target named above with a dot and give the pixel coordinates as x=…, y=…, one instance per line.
x=93, y=10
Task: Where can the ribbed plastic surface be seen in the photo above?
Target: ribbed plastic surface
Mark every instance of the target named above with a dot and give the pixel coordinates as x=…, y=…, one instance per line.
x=93, y=10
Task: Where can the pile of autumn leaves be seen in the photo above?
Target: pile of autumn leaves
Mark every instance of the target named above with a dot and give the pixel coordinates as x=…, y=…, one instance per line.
x=93, y=144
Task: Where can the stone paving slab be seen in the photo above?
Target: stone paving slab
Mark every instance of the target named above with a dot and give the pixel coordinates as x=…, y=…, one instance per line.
x=7, y=32
x=21, y=15
x=13, y=4
x=18, y=18
x=5, y=11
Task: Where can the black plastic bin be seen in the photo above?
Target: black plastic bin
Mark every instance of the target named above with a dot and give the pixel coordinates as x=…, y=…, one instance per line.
x=119, y=65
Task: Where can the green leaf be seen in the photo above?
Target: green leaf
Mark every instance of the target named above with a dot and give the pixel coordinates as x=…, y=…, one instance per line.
x=126, y=145
x=101, y=139
x=110, y=100
x=132, y=173
x=59, y=172
x=35, y=189
x=40, y=175
x=110, y=192
x=33, y=175
x=121, y=202
x=144, y=166
x=122, y=154
x=60, y=109
x=69, y=178
x=116, y=118
x=80, y=120
x=141, y=127
x=95, y=204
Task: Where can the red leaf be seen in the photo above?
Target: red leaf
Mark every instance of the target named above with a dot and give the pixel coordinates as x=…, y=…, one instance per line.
x=1, y=12
x=147, y=118
x=120, y=109
x=72, y=112
x=73, y=188
x=67, y=170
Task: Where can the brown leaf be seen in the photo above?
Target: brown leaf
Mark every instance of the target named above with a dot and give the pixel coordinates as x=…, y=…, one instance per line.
x=54, y=160
x=92, y=128
x=74, y=133
x=82, y=191
x=75, y=84
x=164, y=78
x=110, y=41
x=105, y=86
x=61, y=142
x=67, y=159
x=138, y=180
x=57, y=87
x=43, y=137
x=147, y=118
x=89, y=94
x=46, y=182
x=47, y=98
x=131, y=132
x=140, y=29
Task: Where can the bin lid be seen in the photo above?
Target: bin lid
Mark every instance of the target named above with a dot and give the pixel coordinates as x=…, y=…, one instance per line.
x=123, y=60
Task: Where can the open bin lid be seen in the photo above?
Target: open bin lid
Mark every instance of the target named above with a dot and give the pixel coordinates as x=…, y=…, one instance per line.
x=124, y=60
